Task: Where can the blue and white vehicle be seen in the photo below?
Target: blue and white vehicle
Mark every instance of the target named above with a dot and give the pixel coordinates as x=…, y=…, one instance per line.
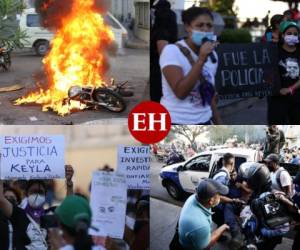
x=183, y=177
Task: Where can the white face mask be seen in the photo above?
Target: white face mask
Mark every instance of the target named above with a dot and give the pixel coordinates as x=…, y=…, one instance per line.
x=36, y=200
x=291, y=40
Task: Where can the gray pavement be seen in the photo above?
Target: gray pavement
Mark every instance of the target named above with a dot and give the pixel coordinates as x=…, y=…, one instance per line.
x=131, y=65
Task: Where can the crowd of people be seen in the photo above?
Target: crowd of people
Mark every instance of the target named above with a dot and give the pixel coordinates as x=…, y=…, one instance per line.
x=274, y=142
x=183, y=70
x=27, y=223
x=244, y=203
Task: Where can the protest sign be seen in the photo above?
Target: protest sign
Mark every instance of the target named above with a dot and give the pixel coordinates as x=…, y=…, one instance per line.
x=32, y=157
x=247, y=70
x=108, y=203
x=134, y=162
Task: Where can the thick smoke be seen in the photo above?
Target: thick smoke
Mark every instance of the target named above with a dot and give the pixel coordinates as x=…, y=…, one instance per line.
x=52, y=11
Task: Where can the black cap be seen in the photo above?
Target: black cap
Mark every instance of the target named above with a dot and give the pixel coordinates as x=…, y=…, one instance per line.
x=208, y=188
x=272, y=157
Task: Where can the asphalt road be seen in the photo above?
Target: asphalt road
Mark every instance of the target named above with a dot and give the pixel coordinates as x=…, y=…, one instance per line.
x=132, y=66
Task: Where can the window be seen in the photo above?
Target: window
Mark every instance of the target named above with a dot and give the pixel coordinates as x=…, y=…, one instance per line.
x=143, y=15
x=200, y=163
x=33, y=20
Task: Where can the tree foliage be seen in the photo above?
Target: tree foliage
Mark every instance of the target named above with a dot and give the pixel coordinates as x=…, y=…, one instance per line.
x=10, y=33
x=190, y=132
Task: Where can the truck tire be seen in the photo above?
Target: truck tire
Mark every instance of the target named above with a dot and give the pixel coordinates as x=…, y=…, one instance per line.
x=41, y=48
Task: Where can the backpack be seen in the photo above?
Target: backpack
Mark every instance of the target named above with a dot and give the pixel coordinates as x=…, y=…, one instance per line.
x=270, y=211
x=175, y=244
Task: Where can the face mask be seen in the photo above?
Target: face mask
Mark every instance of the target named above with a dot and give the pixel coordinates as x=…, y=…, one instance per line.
x=198, y=36
x=291, y=40
x=36, y=200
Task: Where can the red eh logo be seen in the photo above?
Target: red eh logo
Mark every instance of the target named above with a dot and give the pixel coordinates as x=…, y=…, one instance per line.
x=149, y=122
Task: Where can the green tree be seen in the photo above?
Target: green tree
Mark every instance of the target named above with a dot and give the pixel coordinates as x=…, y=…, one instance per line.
x=10, y=33
x=190, y=132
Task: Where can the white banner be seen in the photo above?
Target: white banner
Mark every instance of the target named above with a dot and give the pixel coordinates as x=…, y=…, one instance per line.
x=108, y=203
x=32, y=157
x=134, y=162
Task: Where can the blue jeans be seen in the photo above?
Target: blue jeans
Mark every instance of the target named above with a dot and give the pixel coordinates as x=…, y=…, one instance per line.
x=230, y=219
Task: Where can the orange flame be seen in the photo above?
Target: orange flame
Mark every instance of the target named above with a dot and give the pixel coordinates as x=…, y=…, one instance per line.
x=76, y=57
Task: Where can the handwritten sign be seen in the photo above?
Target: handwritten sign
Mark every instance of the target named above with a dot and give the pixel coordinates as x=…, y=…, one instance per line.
x=247, y=70
x=32, y=157
x=134, y=162
x=108, y=203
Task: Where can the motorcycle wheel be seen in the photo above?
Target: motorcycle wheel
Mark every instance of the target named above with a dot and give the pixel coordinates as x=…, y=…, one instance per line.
x=113, y=101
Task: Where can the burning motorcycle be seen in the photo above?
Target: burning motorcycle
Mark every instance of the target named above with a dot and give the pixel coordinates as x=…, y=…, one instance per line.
x=5, y=58
x=110, y=97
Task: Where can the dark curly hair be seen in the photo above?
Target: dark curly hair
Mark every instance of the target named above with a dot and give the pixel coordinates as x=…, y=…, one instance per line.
x=192, y=13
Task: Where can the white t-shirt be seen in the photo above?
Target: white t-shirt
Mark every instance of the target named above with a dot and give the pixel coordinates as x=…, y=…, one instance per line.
x=285, y=179
x=190, y=110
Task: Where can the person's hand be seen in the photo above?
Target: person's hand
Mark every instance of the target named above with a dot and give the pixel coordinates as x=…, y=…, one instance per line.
x=284, y=91
x=238, y=184
x=205, y=49
x=238, y=201
x=55, y=239
x=69, y=173
x=110, y=244
x=224, y=227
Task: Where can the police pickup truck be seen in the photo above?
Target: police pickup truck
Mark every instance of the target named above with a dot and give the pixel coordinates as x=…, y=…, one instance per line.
x=183, y=177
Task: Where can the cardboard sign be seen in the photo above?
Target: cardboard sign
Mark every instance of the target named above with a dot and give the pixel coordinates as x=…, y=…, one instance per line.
x=134, y=162
x=247, y=70
x=108, y=203
x=32, y=157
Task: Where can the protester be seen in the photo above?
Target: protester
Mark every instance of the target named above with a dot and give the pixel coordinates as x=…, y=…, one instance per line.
x=195, y=218
x=27, y=233
x=188, y=71
x=139, y=238
x=163, y=32
x=287, y=15
x=281, y=179
x=274, y=140
x=283, y=108
x=272, y=32
x=7, y=241
x=74, y=215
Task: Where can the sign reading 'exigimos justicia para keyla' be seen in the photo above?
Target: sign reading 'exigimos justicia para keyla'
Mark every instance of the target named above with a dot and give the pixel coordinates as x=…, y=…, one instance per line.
x=32, y=157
